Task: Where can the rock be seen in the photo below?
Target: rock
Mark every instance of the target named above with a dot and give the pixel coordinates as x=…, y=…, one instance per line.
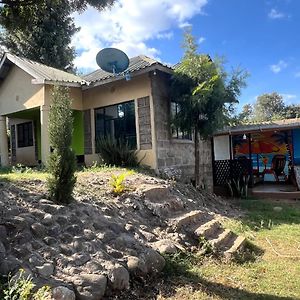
x=88, y=234
x=50, y=240
x=62, y=220
x=73, y=229
x=36, y=260
x=165, y=246
x=54, y=230
x=93, y=267
x=3, y=233
x=81, y=259
x=62, y=293
x=2, y=251
x=18, y=222
x=150, y=237
x=66, y=250
x=46, y=270
x=48, y=219
x=136, y=266
x=9, y=265
x=38, y=230
x=118, y=278
x=23, y=237
x=90, y=286
x=154, y=261
x=66, y=237
x=277, y=208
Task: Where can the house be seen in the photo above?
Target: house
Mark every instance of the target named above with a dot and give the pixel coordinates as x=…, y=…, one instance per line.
x=269, y=153
x=138, y=110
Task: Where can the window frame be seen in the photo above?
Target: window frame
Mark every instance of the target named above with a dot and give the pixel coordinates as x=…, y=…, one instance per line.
x=26, y=131
x=108, y=120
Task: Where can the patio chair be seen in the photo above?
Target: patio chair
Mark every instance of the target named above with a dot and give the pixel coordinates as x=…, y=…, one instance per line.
x=277, y=167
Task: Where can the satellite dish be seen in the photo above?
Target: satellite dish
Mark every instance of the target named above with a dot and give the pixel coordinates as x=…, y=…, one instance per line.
x=112, y=60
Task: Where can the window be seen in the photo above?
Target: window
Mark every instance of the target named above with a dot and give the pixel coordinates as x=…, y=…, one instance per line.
x=177, y=133
x=117, y=121
x=25, y=135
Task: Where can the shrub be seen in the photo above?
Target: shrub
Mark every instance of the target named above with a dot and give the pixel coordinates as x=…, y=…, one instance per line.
x=118, y=182
x=117, y=152
x=21, y=288
x=62, y=161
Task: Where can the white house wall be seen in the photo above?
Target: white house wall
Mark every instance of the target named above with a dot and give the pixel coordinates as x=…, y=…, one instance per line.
x=221, y=147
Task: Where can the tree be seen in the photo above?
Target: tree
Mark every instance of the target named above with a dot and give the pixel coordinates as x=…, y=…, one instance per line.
x=62, y=162
x=269, y=107
x=42, y=30
x=17, y=13
x=205, y=94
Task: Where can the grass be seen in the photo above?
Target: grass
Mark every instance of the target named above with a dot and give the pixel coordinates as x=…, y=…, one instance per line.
x=273, y=274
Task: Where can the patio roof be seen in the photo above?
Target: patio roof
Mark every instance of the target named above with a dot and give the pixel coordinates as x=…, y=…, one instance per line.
x=258, y=127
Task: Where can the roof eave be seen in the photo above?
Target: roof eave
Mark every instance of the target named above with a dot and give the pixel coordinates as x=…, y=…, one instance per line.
x=157, y=66
x=60, y=83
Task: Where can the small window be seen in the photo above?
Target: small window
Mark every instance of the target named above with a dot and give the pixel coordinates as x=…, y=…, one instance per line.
x=25, y=135
x=177, y=133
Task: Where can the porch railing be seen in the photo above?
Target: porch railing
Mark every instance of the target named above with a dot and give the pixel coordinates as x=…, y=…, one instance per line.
x=225, y=170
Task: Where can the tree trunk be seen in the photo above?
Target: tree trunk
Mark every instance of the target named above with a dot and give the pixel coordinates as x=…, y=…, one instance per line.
x=197, y=159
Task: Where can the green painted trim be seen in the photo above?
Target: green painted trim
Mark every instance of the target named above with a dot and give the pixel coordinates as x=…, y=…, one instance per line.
x=78, y=133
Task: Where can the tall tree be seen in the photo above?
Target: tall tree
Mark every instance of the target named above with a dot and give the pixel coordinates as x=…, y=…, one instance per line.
x=269, y=107
x=204, y=93
x=42, y=30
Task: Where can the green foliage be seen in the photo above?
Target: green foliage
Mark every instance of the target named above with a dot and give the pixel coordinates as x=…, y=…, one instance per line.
x=118, y=182
x=238, y=187
x=116, y=152
x=62, y=161
x=205, y=245
x=21, y=288
x=205, y=94
x=267, y=107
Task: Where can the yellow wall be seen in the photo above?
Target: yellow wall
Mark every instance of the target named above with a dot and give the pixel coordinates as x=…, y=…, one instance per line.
x=17, y=93
x=75, y=94
x=114, y=93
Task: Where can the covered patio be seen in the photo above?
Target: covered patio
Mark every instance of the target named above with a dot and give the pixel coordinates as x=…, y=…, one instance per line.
x=268, y=153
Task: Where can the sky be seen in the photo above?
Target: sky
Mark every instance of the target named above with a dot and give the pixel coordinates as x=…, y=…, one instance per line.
x=260, y=36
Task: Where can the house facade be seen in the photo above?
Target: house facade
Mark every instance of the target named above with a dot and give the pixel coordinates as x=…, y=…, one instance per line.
x=139, y=110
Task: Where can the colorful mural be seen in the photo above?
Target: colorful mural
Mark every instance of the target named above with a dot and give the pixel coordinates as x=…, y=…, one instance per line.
x=264, y=146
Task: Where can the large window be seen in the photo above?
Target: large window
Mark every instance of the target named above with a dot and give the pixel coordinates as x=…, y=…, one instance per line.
x=117, y=121
x=177, y=133
x=25, y=135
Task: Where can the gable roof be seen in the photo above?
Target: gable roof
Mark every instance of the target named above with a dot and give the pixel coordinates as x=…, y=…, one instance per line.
x=44, y=74
x=41, y=73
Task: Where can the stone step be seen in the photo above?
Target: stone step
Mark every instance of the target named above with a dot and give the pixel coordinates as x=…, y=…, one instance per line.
x=185, y=219
x=222, y=239
x=237, y=246
x=208, y=229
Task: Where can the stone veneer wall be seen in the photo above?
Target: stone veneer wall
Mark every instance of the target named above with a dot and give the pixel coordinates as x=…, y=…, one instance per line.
x=173, y=154
x=144, y=120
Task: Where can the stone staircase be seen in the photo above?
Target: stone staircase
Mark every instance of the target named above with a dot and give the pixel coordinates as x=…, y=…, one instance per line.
x=197, y=225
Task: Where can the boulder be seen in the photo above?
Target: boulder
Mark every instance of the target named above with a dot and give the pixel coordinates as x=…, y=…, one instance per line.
x=38, y=230
x=90, y=286
x=154, y=261
x=165, y=246
x=136, y=266
x=46, y=270
x=118, y=278
x=62, y=293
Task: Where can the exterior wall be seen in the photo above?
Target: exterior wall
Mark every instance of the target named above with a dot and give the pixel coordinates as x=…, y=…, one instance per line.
x=24, y=155
x=118, y=92
x=221, y=147
x=17, y=93
x=175, y=155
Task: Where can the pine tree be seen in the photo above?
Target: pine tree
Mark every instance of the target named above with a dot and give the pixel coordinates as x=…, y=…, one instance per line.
x=62, y=162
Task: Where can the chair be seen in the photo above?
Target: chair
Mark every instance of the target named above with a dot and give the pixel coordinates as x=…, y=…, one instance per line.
x=277, y=167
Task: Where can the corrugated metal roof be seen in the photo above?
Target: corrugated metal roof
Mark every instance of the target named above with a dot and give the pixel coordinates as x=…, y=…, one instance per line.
x=272, y=125
x=135, y=64
x=42, y=72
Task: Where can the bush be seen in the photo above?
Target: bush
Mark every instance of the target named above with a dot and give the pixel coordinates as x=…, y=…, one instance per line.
x=117, y=152
x=62, y=160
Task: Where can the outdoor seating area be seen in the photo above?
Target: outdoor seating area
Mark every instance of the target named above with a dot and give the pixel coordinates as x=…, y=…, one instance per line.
x=266, y=153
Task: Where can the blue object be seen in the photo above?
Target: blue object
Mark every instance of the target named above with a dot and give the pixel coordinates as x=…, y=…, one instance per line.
x=112, y=60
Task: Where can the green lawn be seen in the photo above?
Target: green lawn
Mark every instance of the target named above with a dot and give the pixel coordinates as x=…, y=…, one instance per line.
x=264, y=273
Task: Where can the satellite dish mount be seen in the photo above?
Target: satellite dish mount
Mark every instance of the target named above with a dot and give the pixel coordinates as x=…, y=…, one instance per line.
x=113, y=61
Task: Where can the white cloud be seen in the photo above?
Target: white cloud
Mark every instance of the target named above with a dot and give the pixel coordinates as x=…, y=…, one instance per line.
x=201, y=40
x=275, y=14
x=277, y=68
x=288, y=98
x=129, y=25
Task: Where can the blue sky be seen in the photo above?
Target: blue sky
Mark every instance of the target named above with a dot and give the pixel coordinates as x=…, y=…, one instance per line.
x=261, y=36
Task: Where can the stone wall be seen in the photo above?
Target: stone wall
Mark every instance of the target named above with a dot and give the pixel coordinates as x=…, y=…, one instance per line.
x=175, y=157
x=144, y=121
